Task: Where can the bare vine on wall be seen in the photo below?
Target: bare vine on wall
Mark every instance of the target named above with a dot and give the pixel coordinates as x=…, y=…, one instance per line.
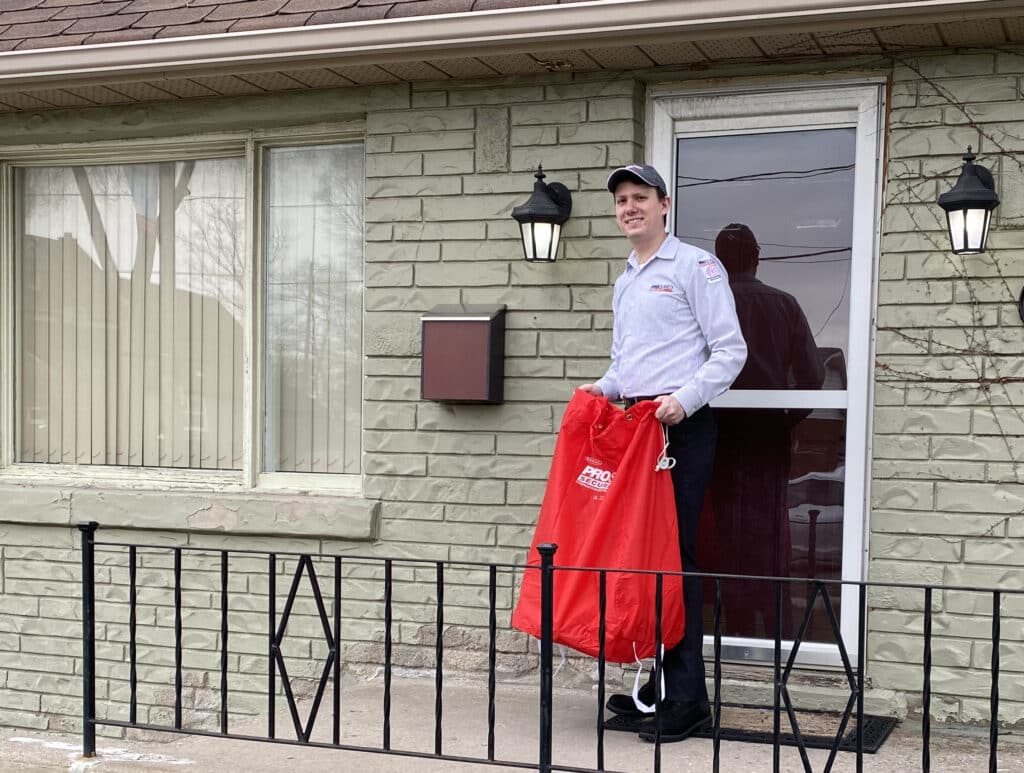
x=982, y=373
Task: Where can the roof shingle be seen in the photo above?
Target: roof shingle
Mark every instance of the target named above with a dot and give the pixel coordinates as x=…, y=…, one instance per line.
x=121, y=35
x=186, y=30
x=39, y=29
x=136, y=6
x=246, y=10
x=90, y=11
x=20, y=5
x=54, y=41
x=29, y=15
x=299, y=6
x=104, y=23
x=179, y=17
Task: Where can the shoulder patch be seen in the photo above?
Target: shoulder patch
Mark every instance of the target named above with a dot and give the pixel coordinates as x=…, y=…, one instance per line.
x=710, y=269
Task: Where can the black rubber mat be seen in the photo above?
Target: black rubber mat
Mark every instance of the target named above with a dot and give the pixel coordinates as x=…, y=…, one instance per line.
x=734, y=728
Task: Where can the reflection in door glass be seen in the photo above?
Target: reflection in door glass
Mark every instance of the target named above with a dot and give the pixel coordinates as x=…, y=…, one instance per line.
x=775, y=508
x=777, y=209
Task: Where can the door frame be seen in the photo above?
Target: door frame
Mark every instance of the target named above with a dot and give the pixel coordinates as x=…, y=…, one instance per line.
x=673, y=112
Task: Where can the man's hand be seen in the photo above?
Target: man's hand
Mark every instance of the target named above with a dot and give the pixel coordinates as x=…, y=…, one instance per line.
x=591, y=389
x=669, y=410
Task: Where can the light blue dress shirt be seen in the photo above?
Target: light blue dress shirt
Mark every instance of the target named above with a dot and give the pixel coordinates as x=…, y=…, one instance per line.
x=675, y=329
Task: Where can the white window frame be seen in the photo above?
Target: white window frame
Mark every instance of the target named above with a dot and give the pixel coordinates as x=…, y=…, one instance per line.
x=249, y=145
x=672, y=113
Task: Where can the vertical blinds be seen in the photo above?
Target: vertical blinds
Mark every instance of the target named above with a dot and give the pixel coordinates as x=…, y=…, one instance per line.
x=129, y=318
x=130, y=308
x=314, y=280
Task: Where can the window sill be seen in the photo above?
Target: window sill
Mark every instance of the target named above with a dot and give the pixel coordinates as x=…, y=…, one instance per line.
x=215, y=504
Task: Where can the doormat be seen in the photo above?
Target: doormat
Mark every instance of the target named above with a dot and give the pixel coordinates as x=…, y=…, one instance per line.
x=753, y=724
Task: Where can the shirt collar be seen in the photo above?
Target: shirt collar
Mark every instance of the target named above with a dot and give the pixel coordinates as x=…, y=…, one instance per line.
x=666, y=251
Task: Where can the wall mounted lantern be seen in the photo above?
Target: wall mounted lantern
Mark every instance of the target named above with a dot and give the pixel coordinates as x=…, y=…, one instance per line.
x=541, y=217
x=969, y=207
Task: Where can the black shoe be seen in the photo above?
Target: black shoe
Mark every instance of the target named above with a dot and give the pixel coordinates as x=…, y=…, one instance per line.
x=678, y=721
x=629, y=723
x=624, y=705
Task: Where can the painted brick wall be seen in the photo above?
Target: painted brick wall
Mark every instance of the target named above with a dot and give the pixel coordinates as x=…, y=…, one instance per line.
x=465, y=481
x=946, y=495
x=455, y=483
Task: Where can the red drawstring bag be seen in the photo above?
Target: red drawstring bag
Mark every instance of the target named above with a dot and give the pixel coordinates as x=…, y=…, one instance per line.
x=607, y=506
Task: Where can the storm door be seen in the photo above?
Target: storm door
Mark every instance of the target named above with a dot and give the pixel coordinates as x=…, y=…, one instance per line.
x=782, y=187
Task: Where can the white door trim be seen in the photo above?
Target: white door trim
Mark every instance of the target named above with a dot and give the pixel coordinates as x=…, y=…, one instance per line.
x=672, y=114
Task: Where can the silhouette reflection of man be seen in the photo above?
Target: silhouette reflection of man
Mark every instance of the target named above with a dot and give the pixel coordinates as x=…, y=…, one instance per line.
x=752, y=461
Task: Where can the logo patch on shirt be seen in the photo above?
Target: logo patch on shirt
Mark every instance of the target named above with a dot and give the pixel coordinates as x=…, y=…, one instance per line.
x=710, y=269
x=595, y=479
x=661, y=288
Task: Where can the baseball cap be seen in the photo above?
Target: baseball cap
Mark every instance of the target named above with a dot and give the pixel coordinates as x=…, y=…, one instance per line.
x=644, y=173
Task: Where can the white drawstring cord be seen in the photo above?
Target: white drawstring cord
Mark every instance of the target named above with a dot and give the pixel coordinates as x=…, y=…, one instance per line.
x=562, y=656
x=665, y=462
x=636, y=682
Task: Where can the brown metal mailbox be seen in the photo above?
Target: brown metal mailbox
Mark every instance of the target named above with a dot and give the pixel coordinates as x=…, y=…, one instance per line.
x=463, y=354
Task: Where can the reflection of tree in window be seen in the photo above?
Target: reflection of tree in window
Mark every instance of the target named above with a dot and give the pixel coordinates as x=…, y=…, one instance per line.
x=314, y=284
x=130, y=302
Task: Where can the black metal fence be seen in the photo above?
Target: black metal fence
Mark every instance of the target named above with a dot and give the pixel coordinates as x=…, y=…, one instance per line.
x=276, y=626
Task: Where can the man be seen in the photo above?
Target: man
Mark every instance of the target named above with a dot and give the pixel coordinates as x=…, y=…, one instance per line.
x=675, y=340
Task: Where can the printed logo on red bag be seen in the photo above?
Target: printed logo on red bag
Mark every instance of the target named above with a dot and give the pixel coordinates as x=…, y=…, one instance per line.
x=595, y=478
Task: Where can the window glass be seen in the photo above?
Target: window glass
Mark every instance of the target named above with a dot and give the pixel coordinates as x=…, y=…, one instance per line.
x=775, y=509
x=129, y=314
x=777, y=210
x=314, y=281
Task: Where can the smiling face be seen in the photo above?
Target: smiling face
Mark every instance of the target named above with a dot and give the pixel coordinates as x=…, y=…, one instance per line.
x=640, y=213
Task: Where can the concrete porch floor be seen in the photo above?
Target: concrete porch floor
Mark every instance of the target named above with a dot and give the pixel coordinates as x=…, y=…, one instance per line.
x=962, y=750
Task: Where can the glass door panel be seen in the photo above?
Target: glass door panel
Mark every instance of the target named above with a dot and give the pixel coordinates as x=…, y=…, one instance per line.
x=782, y=185
x=793, y=192
x=778, y=208
x=774, y=509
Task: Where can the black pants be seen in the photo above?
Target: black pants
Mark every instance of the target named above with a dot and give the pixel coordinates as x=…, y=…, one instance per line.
x=692, y=443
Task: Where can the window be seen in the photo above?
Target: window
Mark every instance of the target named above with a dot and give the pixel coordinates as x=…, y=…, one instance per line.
x=131, y=318
x=128, y=287
x=314, y=279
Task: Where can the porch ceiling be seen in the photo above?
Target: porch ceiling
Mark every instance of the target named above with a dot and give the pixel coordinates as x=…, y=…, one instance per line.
x=60, y=80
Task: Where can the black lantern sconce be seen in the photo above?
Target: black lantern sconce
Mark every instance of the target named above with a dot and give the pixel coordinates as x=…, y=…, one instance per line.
x=541, y=217
x=969, y=207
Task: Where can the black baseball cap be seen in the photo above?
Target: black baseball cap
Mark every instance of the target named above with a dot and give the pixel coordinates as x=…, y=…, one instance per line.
x=642, y=173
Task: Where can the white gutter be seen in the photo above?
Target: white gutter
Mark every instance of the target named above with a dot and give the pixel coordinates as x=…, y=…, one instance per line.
x=605, y=22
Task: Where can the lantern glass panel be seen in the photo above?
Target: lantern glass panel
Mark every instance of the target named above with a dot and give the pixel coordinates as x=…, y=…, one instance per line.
x=957, y=233
x=977, y=224
x=542, y=237
x=526, y=230
x=556, y=232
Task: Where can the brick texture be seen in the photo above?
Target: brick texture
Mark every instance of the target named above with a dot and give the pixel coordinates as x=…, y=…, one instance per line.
x=943, y=340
